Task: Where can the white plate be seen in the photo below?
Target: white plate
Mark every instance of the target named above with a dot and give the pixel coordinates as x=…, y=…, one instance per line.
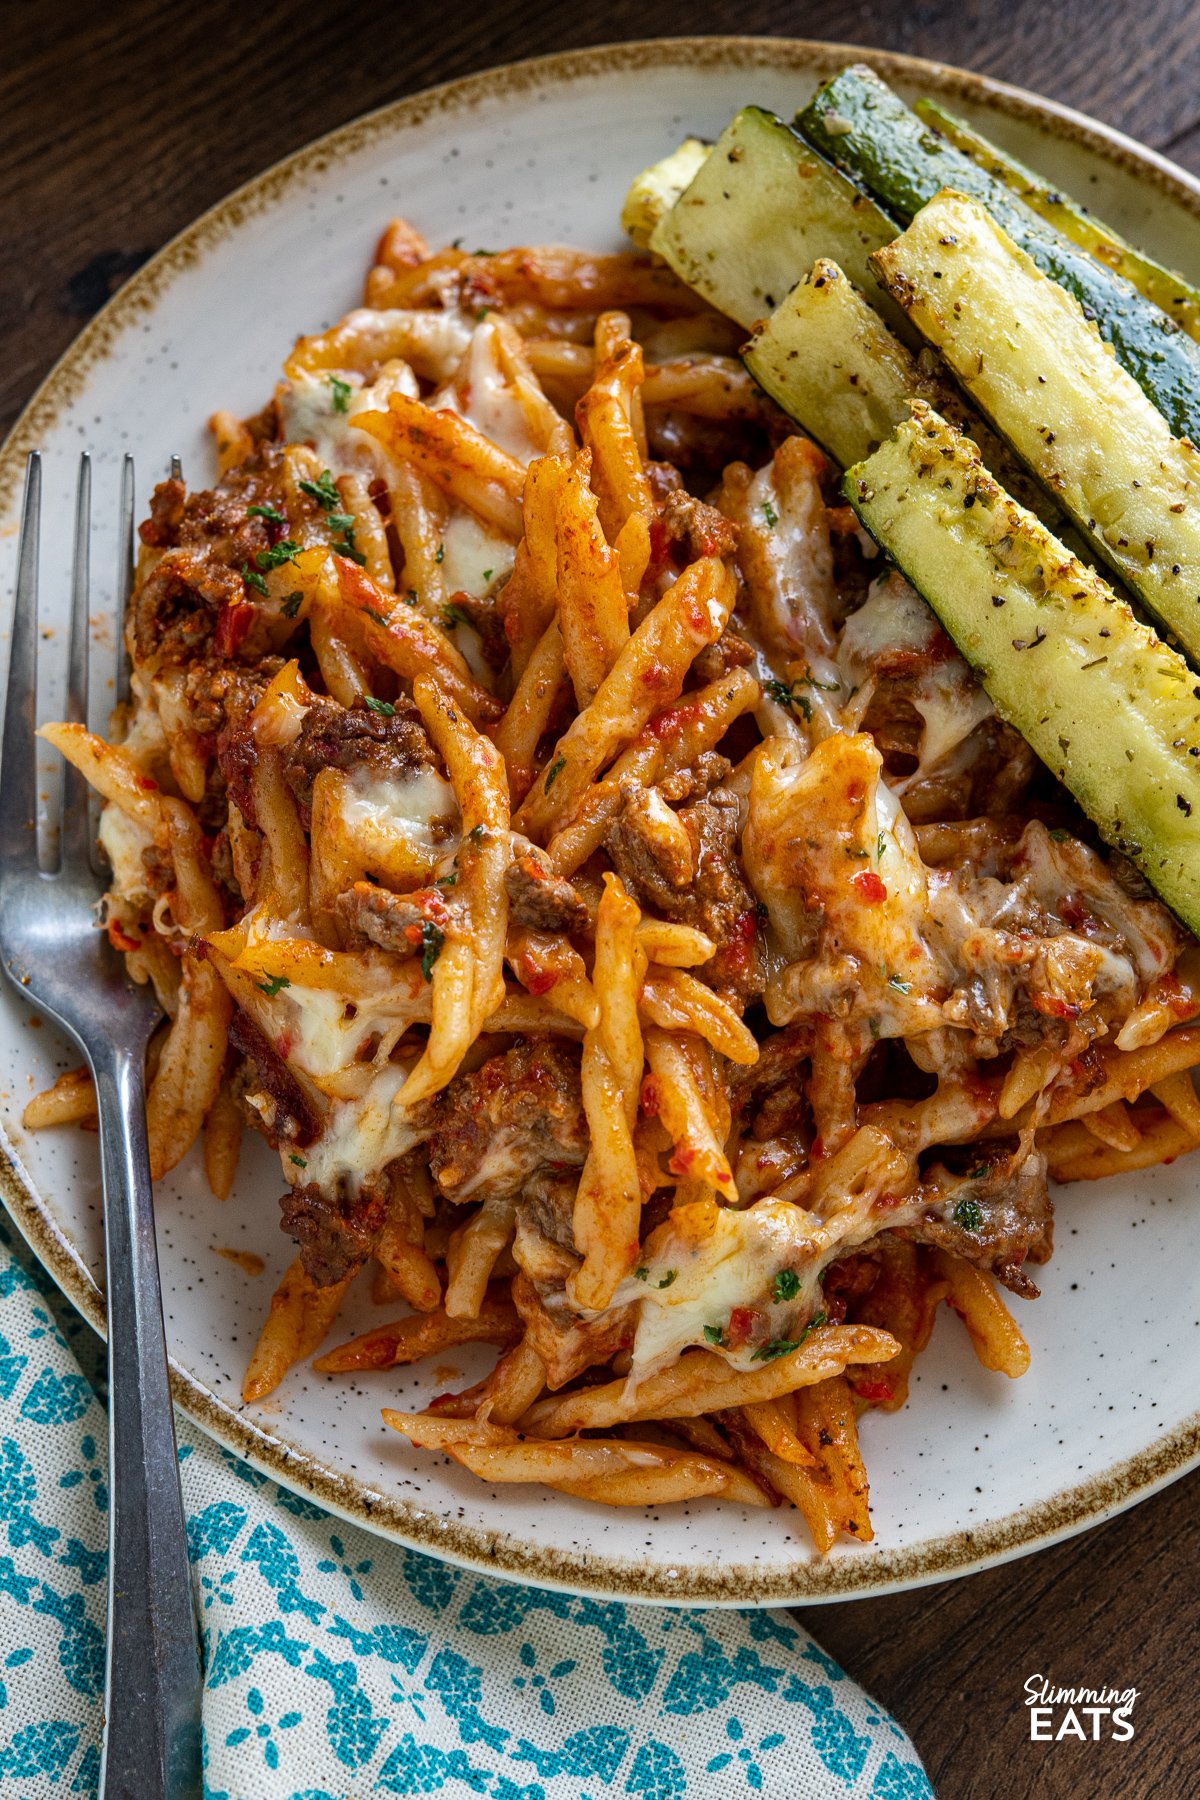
x=975, y=1468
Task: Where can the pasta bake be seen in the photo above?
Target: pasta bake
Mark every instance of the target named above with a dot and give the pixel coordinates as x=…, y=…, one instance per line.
x=547, y=819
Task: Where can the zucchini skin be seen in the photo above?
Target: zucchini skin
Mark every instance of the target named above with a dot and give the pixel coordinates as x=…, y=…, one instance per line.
x=1023, y=352
x=861, y=125
x=760, y=210
x=1111, y=710
x=1165, y=288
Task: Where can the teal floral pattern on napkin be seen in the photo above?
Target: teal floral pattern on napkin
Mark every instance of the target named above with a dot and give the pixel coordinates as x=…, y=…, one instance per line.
x=340, y=1667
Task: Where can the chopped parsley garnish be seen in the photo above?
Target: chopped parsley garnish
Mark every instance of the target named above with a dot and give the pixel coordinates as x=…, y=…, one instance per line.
x=270, y=513
x=714, y=1334
x=411, y=596
x=642, y=1274
x=667, y=1279
x=441, y=553
x=340, y=521
x=880, y=847
x=290, y=605
x=454, y=615
x=447, y=881
x=272, y=985
x=300, y=1161
x=1058, y=835
x=377, y=616
x=901, y=987
x=785, y=1286
x=553, y=772
x=968, y=1214
x=343, y=547
x=487, y=574
x=481, y=312
x=776, y=1347
x=431, y=948
x=769, y=514
x=476, y=834
x=283, y=552
x=341, y=391
x=323, y=492
x=784, y=695
x=384, y=708
x=253, y=579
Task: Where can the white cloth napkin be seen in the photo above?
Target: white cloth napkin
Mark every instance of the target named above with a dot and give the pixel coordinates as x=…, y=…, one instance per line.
x=341, y=1666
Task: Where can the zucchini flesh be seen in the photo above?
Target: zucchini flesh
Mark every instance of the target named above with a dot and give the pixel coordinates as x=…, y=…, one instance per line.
x=827, y=358
x=1164, y=287
x=1109, y=708
x=759, y=212
x=862, y=125
x=655, y=191
x=1030, y=361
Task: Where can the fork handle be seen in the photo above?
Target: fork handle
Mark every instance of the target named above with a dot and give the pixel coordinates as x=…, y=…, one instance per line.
x=153, y=1681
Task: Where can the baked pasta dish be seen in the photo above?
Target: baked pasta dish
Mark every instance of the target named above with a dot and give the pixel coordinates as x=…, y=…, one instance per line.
x=647, y=924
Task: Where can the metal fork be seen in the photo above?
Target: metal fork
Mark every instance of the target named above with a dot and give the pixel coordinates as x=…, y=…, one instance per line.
x=55, y=955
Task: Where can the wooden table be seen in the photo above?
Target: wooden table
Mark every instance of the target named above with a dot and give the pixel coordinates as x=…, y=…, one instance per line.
x=119, y=124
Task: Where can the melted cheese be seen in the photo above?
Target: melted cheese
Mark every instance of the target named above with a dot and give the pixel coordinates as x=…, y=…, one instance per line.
x=307, y=416
x=483, y=394
x=401, y=826
x=474, y=559
x=707, y=1261
x=946, y=694
x=123, y=840
x=360, y=1137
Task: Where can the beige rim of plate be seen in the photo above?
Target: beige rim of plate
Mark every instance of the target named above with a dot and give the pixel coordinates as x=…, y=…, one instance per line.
x=1073, y=1508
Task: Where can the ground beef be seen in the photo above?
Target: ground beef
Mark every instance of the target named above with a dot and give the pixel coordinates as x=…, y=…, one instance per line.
x=729, y=652
x=710, y=894
x=175, y=612
x=541, y=899
x=289, y=1116
x=334, y=1234
x=394, y=922
x=355, y=737
x=518, y=1115
x=771, y=1095
x=697, y=529
x=218, y=519
x=998, y=1216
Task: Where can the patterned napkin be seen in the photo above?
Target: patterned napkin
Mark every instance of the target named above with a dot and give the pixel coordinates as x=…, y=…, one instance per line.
x=339, y=1666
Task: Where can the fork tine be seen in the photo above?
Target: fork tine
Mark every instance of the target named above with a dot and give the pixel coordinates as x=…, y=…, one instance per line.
x=76, y=821
x=124, y=574
x=18, y=758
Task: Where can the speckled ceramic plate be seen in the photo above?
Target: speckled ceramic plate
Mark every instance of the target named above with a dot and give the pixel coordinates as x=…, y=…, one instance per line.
x=975, y=1468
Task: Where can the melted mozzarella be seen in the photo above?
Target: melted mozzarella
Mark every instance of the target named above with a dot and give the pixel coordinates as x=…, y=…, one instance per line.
x=361, y=1136
x=401, y=825
x=947, y=696
x=307, y=416
x=483, y=394
x=123, y=840
x=705, y=1261
x=474, y=557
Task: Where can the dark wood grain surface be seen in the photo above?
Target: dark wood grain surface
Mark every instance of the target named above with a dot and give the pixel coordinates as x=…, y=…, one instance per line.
x=119, y=124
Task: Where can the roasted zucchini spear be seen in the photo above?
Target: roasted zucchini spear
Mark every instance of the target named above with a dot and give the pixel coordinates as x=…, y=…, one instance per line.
x=655, y=191
x=1109, y=708
x=864, y=127
x=827, y=358
x=1170, y=291
x=760, y=210
x=1023, y=351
